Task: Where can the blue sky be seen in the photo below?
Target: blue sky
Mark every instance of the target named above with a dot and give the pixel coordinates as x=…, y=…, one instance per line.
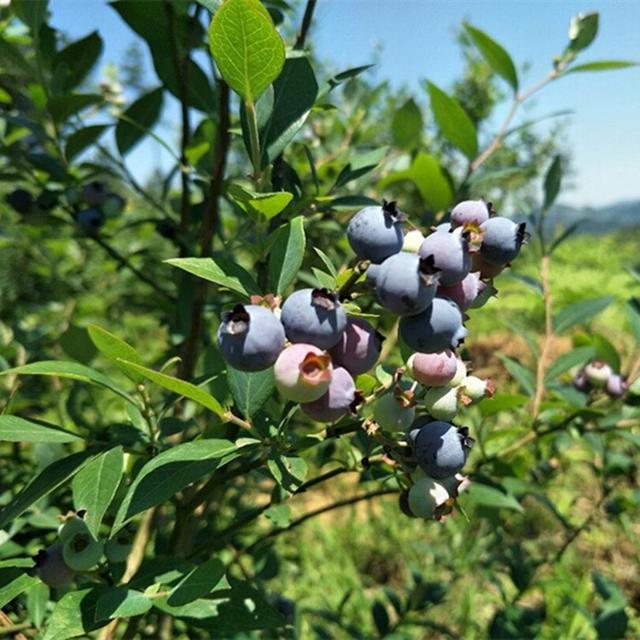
x=415, y=39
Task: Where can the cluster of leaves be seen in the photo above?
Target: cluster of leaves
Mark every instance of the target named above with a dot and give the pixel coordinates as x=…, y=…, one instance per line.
x=206, y=461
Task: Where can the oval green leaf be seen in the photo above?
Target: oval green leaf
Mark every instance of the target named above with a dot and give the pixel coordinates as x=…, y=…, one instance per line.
x=16, y=429
x=495, y=55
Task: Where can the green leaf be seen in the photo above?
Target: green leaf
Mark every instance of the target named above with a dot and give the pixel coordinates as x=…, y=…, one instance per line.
x=279, y=515
x=580, y=312
x=552, y=181
x=61, y=107
x=430, y=179
x=288, y=471
x=72, y=64
x=138, y=120
x=406, y=125
x=169, y=472
x=95, y=486
x=287, y=253
x=74, y=614
x=583, y=30
x=575, y=358
x=115, y=349
x=294, y=93
x=266, y=205
x=198, y=583
x=486, y=496
x=501, y=402
x=223, y=272
x=520, y=373
x=181, y=387
x=453, y=121
x=37, y=599
x=83, y=138
x=380, y=618
x=49, y=479
x=602, y=65
x=606, y=351
x=247, y=49
x=13, y=582
x=359, y=165
x=633, y=313
x=250, y=390
x=495, y=55
x=121, y=602
x=70, y=370
x=16, y=429
x=33, y=13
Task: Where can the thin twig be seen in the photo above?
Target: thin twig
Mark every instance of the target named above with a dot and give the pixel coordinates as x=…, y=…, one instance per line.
x=345, y=290
x=306, y=24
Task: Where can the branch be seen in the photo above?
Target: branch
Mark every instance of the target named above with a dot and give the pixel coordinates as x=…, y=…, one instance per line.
x=209, y=223
x=306, y=24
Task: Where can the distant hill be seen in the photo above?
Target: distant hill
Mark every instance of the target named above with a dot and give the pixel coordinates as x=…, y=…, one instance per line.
x=596, y=220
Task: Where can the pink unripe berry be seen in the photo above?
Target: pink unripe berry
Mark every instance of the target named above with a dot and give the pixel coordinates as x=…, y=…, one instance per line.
x=359, y=347
x=433, y=369
x=470, y=212
x=340, y=398
x=487, y=270
x=302, y=372
x=462, y=293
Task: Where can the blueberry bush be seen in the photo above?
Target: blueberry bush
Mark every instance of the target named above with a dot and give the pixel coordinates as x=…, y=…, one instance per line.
x=204, y=370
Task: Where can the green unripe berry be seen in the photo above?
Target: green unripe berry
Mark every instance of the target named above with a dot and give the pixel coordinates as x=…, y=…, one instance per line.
x=82, y=551
x=461, y=374
x=71, y=527
x=442, y=402
x=393, y=413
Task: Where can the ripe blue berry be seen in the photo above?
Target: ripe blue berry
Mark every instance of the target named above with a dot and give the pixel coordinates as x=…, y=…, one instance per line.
x=51, y=568
x=314, y=316
x=440, y=448
x=450, y=251
x=501, y=240
x=470, y=212
x=21, y=200
x=437, y=328
x=340, y=399
x=375, y=233
x=359, y=347
x=616, y=386
x=302, y=372
x=90, y=220
x=404, y=283
x=250, y=338
x=94, y=193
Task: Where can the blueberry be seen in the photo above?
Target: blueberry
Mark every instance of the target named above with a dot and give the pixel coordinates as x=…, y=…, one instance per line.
x=413, y=241
x=403, y=504
x=486, y=270
x=425, y=496
x=250, y=338
x=375, y=233
x=473, y=389
x=21, y=200
x=450, y=251
x=314, y=316
x=433, y=369
x=616, y=386
x=441, y=402
x=81, y=551
x=95, y=193
x=581, y=382
x=117, y=549
x=340, y=399
x=405, y=284
x=437, y=328
x=393, y=413
x=359, y=347
x=90, y=220
x=51, y=568
x=502, y=239
x=47, y=200
x=463, y=293
x=70, y=527
x=302, y=372
x=598, y=372
x=440, y=448
x=113, y=205
x=470, y=212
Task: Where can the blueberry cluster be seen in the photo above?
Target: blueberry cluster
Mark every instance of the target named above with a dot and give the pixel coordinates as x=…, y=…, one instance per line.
x=77, y=551
x=93, y=204
x=598, y=375
x=430, y=282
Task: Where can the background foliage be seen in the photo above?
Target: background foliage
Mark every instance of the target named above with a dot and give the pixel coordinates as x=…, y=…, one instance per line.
x=114, y=396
